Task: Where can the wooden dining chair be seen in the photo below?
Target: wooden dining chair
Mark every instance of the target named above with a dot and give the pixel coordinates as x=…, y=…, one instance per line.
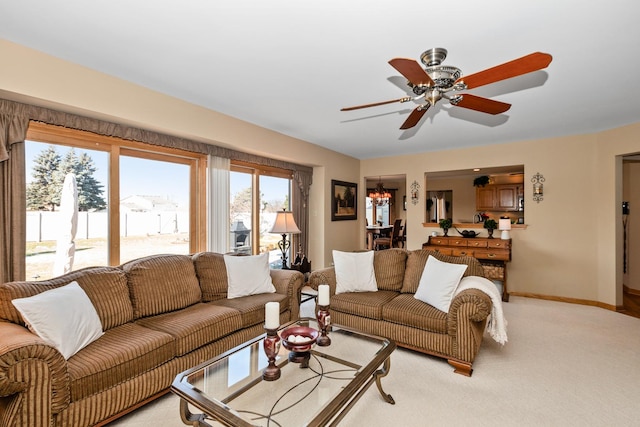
x=402, y=237
x=389, y=241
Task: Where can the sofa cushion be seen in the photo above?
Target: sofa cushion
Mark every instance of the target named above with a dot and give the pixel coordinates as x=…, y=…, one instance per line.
x=212, y=274
x=354, y=272
x=389, y=266
x=248, y=275
x=63, y=317
x=251, y=307
x=438, y=282
x=196, y=325
x=161, y=283
x=406, y=310
x=106, y=287
x=364, y=304
x=120, y=354
x=417, y=259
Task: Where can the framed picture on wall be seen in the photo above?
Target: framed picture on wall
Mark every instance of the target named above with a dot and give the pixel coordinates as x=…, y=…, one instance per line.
x=344, y=200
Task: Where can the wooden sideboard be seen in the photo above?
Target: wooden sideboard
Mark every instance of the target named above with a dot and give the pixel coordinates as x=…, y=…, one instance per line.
x=493, y=254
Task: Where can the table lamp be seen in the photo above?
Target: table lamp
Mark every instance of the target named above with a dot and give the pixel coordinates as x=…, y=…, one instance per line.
x=284, y=225
x=504, y=225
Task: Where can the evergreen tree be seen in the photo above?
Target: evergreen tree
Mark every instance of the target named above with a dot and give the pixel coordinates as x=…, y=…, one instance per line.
x=44, y=192
x=49, y=171
x=89, y=189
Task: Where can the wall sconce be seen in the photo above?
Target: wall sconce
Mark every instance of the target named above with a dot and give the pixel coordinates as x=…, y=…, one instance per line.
x=538, y=187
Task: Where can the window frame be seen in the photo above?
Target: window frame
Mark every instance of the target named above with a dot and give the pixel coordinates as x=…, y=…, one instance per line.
x=256, y=171
x=115, y=147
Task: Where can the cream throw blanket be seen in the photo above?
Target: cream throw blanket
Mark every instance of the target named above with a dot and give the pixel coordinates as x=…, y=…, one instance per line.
x=497, y=324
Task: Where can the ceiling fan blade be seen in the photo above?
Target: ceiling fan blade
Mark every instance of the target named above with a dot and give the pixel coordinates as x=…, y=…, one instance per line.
x=478, y=103
x=375, y=104
x=527, y=64
x=415, y=116
x=412, y=71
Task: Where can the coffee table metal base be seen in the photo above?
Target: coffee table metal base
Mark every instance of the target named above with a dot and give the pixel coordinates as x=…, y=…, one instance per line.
x=357, y=361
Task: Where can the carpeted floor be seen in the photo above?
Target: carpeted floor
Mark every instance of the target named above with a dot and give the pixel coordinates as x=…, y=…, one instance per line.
x=564, y=365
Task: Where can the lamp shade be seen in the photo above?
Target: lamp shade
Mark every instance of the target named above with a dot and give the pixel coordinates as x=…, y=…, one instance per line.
x=504, y=224
x=285, y=224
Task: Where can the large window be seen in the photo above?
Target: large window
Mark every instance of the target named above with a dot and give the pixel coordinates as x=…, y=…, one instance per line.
x=257, y=194
x=133, y=199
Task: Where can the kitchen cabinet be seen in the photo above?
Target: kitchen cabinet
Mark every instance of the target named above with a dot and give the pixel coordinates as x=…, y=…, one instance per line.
x=498, y=197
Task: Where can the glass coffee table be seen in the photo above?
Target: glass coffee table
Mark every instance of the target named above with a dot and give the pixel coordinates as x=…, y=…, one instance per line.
x=230, y=390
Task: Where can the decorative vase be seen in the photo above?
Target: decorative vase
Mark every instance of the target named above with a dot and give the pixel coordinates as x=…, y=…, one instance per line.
x=446, y=232
x=490, y=231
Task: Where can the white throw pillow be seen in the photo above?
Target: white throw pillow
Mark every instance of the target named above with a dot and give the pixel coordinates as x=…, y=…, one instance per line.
x=438, y=282
x=63, y=317
x=354, y=272
x=248, y=275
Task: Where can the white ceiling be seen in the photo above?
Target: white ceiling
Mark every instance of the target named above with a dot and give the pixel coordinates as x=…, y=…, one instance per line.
x=291, y=65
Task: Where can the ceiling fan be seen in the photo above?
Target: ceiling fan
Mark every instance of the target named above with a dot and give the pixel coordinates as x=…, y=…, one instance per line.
x=444, y=81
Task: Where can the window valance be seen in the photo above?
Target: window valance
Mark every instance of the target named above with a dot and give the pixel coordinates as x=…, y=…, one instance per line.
x=101, y=127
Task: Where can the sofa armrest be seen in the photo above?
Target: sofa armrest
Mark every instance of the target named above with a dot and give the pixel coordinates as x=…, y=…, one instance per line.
x=325, y=276
x=472, y=304
x=289, y=282
x=466, y=321
x=33, y=378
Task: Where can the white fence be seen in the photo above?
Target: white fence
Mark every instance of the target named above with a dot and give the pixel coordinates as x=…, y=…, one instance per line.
x=42, y=226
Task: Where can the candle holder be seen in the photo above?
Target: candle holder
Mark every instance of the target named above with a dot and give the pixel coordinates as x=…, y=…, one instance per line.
x=324, y=321
x=271, y=346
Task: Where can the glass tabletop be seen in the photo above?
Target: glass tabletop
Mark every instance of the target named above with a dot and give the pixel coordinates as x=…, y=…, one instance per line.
x=230, y=388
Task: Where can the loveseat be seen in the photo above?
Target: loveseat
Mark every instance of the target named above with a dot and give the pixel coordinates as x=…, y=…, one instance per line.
x=160, y=315
x=393, y=311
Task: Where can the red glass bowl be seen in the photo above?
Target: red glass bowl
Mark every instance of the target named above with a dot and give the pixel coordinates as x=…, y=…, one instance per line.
x=310, y=335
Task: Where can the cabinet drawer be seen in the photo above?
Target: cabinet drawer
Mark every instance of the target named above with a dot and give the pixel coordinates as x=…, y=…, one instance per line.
x=491, y=254
x=438, y=241
x=458, y=242
x=474, y=243
x=462, y=252
x=499, y=243
x=439, y=249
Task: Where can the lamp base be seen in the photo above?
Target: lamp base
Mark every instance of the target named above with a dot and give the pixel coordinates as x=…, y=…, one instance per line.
x=283, y=245
x=505, y=235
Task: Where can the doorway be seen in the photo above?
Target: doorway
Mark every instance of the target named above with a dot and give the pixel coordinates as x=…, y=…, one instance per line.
x=631, y=234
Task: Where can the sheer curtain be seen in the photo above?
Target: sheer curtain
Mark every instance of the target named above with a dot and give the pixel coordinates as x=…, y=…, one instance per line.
x=218, y=204
x=14, y=121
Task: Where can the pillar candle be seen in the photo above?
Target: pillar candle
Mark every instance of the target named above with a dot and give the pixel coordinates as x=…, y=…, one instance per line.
x=323, y=295
x=272, y=315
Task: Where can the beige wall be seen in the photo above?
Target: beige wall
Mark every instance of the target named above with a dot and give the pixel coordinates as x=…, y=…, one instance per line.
x=572, y=246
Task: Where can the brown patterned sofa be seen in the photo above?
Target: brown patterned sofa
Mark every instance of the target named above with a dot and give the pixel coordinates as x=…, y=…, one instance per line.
x=160, y=314
x=393, y=311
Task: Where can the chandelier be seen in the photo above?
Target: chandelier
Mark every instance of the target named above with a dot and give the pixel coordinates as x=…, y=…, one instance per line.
x=379, y=196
